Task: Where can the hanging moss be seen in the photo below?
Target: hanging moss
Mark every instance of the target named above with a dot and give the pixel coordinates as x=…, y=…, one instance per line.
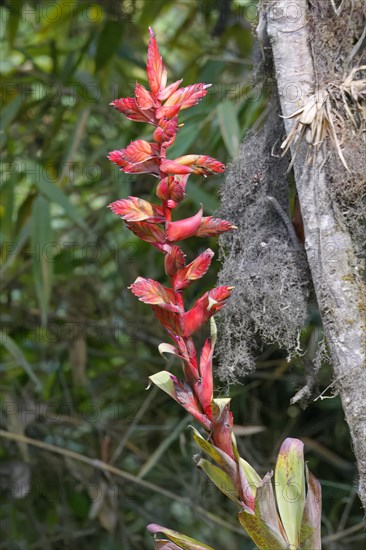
x=263, y=259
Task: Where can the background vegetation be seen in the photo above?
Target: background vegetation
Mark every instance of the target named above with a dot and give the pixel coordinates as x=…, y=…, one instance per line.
x=77, y=347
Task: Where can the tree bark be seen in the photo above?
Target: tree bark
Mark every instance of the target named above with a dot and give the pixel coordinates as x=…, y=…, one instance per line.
x=339, y=288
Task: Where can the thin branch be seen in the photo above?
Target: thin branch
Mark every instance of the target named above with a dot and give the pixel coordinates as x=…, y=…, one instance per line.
x=100, y=465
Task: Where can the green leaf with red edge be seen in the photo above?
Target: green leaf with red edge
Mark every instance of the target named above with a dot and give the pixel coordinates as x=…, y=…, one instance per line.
x=168, y=348
x=183, y=542
x=265, y=507
x=218, y=456
x=262, y=535
x=164, y=381
x=290, y=488
x=311, y=521
x=165, y=544
x=220, y=478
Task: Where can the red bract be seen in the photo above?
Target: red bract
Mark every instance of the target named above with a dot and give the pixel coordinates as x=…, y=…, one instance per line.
x=189, y=96
x=172, y=189
x=128, y=106
x=210, y=303
x=156, y=72
x=212, y=227
x=193, y=164
x=160, y=105
x=134, y=209
x=175, y=259
x=183, y=229
x=195, y=270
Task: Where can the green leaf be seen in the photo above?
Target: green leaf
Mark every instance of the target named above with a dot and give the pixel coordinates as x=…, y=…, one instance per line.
x=44, y=183
x=108, y=42
x=253, y=478
x=260, y=533
x=13, y=20
x=229, y=126
x=290, y=487
x=220, y=479
x=74, y=141
x=183, y=542
x=7, y=210
x=8, y=114
x=42, y=260
x=17, y=353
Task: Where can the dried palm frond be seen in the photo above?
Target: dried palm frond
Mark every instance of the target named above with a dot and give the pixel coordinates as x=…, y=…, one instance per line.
x=355, y=90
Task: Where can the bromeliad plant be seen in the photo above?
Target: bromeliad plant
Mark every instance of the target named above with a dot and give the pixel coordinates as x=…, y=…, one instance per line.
x=288, y=517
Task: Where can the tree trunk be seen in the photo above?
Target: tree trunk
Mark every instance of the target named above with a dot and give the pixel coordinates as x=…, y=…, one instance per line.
x=330, y=251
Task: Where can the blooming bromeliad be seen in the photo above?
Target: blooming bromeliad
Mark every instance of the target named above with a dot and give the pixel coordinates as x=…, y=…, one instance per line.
x=153, y=223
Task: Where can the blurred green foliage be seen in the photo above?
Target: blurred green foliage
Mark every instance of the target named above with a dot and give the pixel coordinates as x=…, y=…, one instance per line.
x=77, y=348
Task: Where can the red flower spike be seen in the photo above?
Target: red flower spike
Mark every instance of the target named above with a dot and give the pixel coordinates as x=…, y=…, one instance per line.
x=144, y=98
x=212, y=227
x=156, y=71
x=193, y=164
x=188, y=97
x=153, y=293
x=128, y=106
x=160, y=107
x=195, y=270
x=183, y=229
x=135, y=209
x=174, y=261
x=210, y=303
